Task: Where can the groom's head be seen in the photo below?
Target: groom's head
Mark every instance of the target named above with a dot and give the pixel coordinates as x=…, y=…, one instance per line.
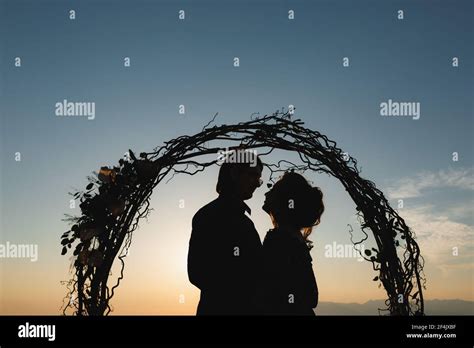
x=240, y=174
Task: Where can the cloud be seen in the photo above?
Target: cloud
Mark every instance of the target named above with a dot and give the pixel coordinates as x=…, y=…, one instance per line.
x=437, y=235
x=438, y=228
x=462, y=211
x=413, y=186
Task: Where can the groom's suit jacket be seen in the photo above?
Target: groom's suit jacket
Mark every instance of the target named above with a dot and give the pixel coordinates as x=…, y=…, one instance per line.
x=224, y=258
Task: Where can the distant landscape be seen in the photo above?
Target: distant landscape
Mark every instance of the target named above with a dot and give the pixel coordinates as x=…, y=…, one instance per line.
x=432, y=307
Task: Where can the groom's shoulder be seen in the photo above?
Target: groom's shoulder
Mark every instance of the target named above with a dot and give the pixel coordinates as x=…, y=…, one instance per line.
x=208, y=210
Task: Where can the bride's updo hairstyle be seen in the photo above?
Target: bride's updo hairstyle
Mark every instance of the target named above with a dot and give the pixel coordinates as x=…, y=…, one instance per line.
x=293, y=202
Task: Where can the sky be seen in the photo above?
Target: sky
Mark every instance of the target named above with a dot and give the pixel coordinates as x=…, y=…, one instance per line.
x=190, y=62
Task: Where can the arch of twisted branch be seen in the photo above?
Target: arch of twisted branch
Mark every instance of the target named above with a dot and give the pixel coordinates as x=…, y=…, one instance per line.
x=118, y=197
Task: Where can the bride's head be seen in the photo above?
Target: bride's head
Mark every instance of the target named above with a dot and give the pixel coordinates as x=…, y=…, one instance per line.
x=294, y=203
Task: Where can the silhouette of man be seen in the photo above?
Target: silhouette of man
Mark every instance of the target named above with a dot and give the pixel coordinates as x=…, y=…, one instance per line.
x=224, y=249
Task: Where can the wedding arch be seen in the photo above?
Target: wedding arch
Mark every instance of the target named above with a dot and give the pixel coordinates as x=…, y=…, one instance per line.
x=118, y=197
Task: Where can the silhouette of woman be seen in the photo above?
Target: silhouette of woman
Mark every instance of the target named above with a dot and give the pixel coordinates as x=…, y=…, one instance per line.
x=288, y=283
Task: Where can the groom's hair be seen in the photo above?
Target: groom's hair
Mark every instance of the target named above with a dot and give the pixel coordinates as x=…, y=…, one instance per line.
x=225, y=182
